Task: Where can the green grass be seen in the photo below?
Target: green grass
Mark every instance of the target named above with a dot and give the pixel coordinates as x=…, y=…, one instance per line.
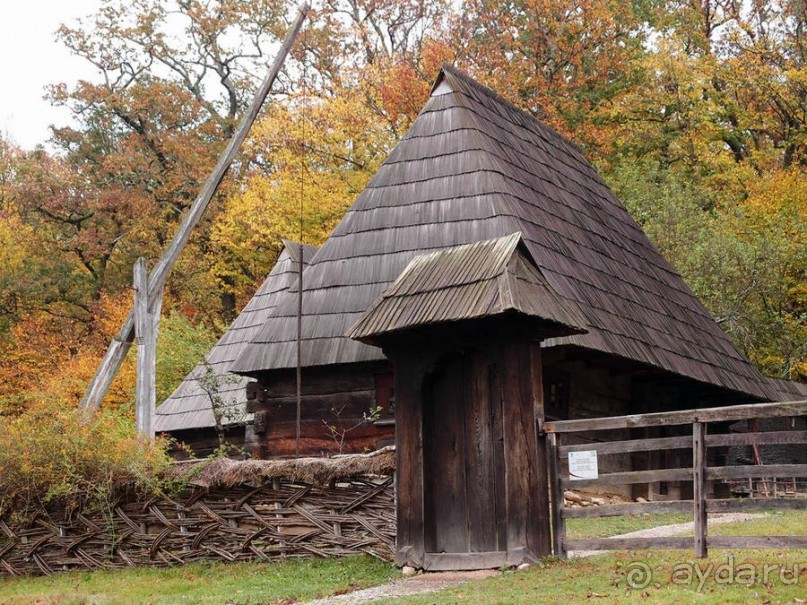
x=605, y=527
x=599, y=579
x=242, y=583
x=604, y=578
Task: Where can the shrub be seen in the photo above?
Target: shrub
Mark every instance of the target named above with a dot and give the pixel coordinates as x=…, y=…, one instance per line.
x=55, y=455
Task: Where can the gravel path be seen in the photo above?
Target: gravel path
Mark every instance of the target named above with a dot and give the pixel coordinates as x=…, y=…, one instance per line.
x=418, y=584
x=432, y=582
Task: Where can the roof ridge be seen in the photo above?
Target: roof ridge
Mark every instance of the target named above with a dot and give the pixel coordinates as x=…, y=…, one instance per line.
x=479, y=87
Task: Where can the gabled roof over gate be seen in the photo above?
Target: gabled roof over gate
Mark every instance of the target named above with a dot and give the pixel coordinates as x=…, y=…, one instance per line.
x=486, y=279
x=474, y=167
x=189, y=406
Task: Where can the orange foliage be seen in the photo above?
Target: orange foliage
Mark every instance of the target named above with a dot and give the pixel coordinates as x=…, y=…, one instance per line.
x=47, y=358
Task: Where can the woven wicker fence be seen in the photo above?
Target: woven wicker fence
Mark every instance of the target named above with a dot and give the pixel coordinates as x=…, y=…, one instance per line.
x=274, y=519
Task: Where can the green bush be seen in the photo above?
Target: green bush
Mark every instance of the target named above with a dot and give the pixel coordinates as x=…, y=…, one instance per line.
x=53, y=455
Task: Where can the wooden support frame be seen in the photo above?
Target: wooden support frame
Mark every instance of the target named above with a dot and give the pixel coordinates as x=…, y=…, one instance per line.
x=119, y=347
x=147, y=322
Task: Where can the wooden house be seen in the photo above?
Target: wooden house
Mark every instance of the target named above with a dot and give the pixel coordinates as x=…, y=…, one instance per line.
x=493, y=274
x=485, y=280
x=471, y=168
x=188, y=414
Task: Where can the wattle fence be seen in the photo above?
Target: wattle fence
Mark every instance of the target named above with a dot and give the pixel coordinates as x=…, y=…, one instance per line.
x=265, y=516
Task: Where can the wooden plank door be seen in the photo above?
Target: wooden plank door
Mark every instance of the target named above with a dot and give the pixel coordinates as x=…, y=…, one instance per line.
x=463, y=458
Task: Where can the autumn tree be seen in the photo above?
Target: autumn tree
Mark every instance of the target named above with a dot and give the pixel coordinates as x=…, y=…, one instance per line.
x=567, y=63
x=693, y=110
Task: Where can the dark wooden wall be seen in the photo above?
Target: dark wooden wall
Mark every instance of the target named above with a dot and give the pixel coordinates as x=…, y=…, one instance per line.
x=338, y=396
x=204, y=441
x=471, y=466
x=581, y=383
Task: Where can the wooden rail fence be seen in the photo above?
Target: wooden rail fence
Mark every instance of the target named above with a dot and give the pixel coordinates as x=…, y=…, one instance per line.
x=699, y=473
x=244, y=522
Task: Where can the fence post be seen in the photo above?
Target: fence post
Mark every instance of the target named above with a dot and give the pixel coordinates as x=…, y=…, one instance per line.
x=699, y=487
x=556, y=493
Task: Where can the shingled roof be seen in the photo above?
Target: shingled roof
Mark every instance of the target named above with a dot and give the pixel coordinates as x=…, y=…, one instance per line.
x=486, y=279
x=789, y=390
x=474, y=167
x=189, y=405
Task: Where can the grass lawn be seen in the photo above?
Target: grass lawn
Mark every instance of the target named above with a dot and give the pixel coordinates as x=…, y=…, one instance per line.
x=674, y=576
x=202, y=583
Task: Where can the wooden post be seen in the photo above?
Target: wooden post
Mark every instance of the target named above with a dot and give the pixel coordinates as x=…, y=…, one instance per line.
x=299, y=402
x=526, y=487
x=556, y=491
x=116, y=353
x=146, y=331
x=699, y=487
x=410, y=546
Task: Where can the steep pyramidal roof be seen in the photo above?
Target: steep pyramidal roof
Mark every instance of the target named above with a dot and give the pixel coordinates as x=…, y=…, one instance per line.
x=474, y=281
x=473, y=167
x=189, y=405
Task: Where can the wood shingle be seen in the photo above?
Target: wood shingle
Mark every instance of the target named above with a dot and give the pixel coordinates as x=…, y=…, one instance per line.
x=189, y=406
x=474, y=281
x=473, y=167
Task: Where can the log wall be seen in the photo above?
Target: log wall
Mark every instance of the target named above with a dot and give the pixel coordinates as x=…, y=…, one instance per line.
x=334, y=395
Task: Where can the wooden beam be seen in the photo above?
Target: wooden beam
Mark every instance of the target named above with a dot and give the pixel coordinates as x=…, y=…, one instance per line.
x=116, y=353
x=559, y=513
x=686, y=543
x=726, y=505
x=722, y=505
x=628, y=477
x=629, y=509
x=629, y=544
x=769, y=438
x=756, y=471
x=527, y=482
x=464, y=561
x=410, y=548
x=146, y=325
x=630, y=445
x=720, y=414
x=699, y=487
x=758, y=542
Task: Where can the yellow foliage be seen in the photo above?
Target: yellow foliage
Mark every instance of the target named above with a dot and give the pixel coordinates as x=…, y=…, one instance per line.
x=16, y=239
x=319, y=158
x=54, y=453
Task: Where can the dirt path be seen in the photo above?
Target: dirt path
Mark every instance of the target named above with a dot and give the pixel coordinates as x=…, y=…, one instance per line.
x=418, y=584
x=432, y=582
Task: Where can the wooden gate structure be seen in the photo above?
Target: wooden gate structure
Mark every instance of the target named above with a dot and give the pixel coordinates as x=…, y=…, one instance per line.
x=709, y=429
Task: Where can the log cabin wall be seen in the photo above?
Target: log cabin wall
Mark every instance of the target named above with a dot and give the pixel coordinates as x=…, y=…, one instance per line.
x=203, y=442
x=338, y=396
x=576, y=388
x=579, y=383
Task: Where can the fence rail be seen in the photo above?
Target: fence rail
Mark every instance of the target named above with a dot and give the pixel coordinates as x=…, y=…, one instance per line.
x=699, y=473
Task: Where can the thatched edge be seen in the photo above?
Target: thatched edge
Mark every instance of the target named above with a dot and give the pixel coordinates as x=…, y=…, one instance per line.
x=225, y=472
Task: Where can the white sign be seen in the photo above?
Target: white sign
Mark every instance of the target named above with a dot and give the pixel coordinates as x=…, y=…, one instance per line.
x=583, y=465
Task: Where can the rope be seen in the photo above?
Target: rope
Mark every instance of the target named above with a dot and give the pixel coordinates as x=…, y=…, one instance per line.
x=302, y=251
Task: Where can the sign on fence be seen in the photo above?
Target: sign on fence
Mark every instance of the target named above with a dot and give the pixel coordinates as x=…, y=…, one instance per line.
x=583, y=465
